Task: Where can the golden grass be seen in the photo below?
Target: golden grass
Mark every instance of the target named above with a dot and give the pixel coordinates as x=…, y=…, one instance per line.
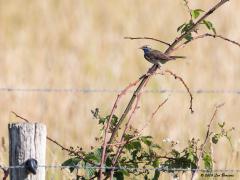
x=79, y=44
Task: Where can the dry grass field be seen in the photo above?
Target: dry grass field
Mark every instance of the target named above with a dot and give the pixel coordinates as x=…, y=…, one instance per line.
x=80, y=44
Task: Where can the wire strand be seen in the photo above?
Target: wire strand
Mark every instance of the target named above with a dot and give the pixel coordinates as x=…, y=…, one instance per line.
x=126, y=168
x=89, y=90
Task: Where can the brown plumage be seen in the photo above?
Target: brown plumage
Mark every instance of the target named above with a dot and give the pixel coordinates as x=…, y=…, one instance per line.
x=157, y=57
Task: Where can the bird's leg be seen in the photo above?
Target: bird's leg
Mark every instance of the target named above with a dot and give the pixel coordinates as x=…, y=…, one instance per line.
x=154, y=68
x=151, y=70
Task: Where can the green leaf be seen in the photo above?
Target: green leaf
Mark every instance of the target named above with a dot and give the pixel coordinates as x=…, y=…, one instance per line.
x=208, y=161
x=215, y=138
x=214, y=30
x=118, y=175
x=156, y=146
x=146, y=141
x=98, y=154
x=156, y=163
x=95, y=113
x=221, y=125
x=94, y=156
x=175, y=153
x=180, y=27
x=137, y=145
x=114, y=120
x=71, y=162
x=156, y=175
x=133, y=145
x=89, y=171
x=125, y=172
x=209, y=25
x=196, y=12
x=188, y=37
x=187, y=26
x=102, y=120
x=134, y=154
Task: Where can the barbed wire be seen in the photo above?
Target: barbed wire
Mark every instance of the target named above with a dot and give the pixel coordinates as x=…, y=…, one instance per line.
x=90, y=90
x=164, y=169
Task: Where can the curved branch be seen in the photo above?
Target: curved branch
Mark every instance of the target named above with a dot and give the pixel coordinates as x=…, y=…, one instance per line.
x=163, y=42
x=207, y=35
x=185, y=85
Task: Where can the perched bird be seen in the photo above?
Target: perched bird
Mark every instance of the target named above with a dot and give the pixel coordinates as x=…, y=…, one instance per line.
x=157, y=57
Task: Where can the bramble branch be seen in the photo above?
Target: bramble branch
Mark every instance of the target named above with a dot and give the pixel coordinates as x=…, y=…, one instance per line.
x=208, y=134
x=207, y=35
x=149, y=38
x=185, y=85
x=120, y=148
x=129, y=106
x=152, y=116
x=104, y=146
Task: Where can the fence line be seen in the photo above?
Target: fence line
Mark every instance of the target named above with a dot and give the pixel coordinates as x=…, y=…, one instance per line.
x=89, y=90
x=126, y=168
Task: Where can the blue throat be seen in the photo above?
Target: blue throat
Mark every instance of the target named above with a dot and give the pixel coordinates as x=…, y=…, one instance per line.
x=146, y=50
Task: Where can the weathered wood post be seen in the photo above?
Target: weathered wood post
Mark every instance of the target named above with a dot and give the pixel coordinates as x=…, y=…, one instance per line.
x=27, y=141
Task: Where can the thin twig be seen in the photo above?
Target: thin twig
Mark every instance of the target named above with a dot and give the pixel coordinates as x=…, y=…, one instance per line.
x=208, y=134
x=149, y=38
x=207, y=35
x=185, y=85
x=186, y=3
x=153, y=114
x=139, y=133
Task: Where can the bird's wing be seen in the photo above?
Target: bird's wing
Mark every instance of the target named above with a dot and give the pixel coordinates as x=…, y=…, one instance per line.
x=160, y=56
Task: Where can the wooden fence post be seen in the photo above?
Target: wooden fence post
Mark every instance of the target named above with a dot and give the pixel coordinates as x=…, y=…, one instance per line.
x=27, y=140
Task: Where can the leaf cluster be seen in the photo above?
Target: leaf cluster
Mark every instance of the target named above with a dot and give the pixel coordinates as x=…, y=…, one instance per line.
x=185, y=27
x=141, y=156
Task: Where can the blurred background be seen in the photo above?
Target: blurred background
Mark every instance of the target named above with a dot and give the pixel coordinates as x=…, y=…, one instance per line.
x=80, y=44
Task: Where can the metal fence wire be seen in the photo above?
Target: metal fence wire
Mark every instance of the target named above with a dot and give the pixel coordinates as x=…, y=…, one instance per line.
x=161, y=169
x=93, y=90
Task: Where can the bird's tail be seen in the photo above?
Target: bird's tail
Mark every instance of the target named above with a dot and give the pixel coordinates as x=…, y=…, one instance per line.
x=178, y=57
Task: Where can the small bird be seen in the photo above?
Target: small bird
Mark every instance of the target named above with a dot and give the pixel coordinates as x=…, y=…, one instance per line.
x=157, y=57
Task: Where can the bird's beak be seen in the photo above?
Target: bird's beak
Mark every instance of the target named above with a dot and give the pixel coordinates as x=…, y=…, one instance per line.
x=140, y=48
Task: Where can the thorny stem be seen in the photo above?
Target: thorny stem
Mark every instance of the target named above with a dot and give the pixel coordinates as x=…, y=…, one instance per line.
x=104, y=146
x=208, y=134
x=189, y=92
x=149, y=38
x=119, y=149
x=206, y=35
x=129, y=106
x=152, y=116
